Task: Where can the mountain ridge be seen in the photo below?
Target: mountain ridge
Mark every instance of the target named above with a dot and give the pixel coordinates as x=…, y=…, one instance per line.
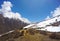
x=7, y=24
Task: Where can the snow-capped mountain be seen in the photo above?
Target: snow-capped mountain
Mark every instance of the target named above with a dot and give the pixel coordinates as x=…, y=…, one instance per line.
x=49, y=21
x=52, y=25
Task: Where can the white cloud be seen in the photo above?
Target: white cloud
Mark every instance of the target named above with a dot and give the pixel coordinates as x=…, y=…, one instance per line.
x=56, y=12
x=7, y=12
x=6, y=6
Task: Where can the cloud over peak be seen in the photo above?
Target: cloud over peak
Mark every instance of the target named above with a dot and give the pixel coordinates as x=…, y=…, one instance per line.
x=6, y=6
x=7, y=12
x=56, y=12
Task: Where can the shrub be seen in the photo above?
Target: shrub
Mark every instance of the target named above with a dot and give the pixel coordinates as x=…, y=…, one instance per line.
x=54, y=36
x=31, y=31
x=43, y=32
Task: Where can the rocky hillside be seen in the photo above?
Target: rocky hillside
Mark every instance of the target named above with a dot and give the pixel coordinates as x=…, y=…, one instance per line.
x=7, y=24
x=31, y=35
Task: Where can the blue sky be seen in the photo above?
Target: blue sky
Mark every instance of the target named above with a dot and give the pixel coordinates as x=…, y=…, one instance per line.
x=34, y=10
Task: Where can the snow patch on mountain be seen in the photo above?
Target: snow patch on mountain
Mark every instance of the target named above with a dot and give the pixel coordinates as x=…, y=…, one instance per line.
x=55, y=18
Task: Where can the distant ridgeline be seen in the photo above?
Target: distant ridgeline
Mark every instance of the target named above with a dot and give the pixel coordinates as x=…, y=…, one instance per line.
x=7, y=24
x=52, y=24
x=55, y=21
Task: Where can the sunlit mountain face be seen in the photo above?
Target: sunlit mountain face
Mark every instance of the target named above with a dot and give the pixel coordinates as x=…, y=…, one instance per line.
x=52, y=25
